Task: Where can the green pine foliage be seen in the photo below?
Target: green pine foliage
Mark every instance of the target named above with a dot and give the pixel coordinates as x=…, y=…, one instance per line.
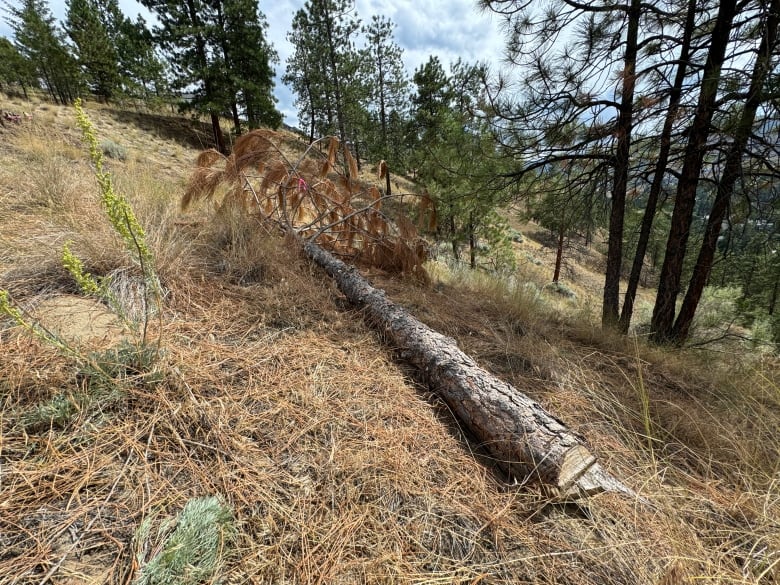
x=459, y=164
x=94, y=50
x=250, y=59
x=388, y=90
x=144, y=75
x=15, y=69
x=325, y=71
x=186, y=550
x=218, y=52
x=42, y=44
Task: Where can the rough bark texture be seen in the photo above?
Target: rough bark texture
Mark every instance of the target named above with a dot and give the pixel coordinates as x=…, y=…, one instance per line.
x=524, y=439
x=669, y=283
x=611, y=306
x=731, y=173
x=675, y=95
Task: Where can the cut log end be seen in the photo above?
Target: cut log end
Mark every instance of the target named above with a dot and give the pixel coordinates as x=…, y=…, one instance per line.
x=574, y=466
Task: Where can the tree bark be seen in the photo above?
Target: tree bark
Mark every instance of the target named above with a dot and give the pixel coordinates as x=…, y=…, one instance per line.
x=669, y=284
x=337, y=89
x=472, y=244
x=660, y=171
x=728, y=179
x=236, y=119
x=526, y=441
x=219, y=139
x=610, y=315
x=559, y=254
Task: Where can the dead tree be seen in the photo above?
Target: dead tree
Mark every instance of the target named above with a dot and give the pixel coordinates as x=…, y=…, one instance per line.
x=332, y=215
x=525, y=440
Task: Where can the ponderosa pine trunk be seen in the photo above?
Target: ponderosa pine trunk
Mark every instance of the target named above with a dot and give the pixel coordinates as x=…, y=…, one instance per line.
x=337, y=90
x=526, y=442
x=236, y=119
x=200, y=51
x=383, y=122
x=682, y=217
x=219, y=138
x=472, y=244
x=559, y=254
x=611, y=304
x=728, y=179
x=660, y=171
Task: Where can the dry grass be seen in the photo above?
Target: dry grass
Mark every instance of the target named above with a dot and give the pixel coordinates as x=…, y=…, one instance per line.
x=339, y=468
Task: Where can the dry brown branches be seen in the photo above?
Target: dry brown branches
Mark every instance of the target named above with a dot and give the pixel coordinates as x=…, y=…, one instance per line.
x=313, y=198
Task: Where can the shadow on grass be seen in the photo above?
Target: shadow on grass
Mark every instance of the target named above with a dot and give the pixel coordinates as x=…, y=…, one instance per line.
x=186, y=131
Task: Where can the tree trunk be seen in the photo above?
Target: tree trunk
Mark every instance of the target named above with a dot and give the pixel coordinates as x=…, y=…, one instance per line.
x=383, y=124
x=337, y=91
x=559, y=254
x=472, y=245
x=773, y=297
x=236, y=119
x=728, y=179
x=356, y=142
x=454, y=236
x=388, y=192
x=219, y=139
x=660, y=171
x=611, y=305
x=208, y=82
x=526, y=441
x=682, y=216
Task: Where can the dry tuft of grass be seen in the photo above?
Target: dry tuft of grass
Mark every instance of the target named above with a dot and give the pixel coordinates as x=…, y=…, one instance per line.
x=273, y=397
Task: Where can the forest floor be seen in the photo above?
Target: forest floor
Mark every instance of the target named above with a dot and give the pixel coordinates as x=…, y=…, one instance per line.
x=269, y=392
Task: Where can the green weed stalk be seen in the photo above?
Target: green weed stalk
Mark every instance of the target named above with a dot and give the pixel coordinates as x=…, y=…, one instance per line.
x=123, y=220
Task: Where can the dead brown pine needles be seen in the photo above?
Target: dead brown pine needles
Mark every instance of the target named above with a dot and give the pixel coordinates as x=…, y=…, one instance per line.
x=313, y=200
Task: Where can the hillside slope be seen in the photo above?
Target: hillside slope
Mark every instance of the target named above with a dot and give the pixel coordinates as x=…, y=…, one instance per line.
x=272, y=394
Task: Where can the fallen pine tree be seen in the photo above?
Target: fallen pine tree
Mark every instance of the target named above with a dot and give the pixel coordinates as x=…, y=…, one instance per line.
x=526, y=441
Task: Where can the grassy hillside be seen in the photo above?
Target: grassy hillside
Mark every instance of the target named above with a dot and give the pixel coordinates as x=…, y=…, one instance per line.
x=328, y=461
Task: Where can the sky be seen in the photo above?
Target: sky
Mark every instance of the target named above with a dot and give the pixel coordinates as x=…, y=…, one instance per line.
x=449, y=29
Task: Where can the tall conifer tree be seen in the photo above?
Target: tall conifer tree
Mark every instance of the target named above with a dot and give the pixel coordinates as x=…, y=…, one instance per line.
x=324, y=70
x=210, y=56
x=387, y=82
x=95, y=52
x=40, y=42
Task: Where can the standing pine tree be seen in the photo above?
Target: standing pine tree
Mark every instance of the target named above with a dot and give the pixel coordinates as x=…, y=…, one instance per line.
x=766, y=59
x=42, y=44
x=387, y=82
x=218, y=53
x=305, y=74
x=14, y=68
x=431, y=107
x=458, y=161
x=670, y=281
x=95, y=52
x=249, y=58
x=186, y=32
x=143, y=72
x=323, y=69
